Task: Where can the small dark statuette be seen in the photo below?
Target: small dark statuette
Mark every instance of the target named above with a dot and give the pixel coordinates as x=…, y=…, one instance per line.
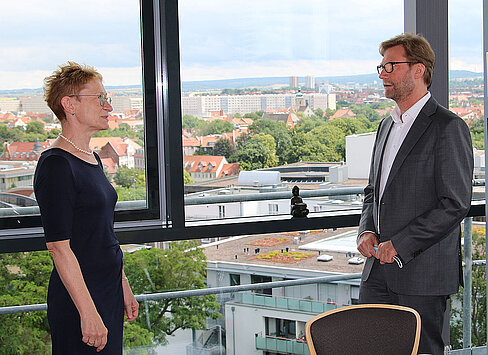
x=298, y=208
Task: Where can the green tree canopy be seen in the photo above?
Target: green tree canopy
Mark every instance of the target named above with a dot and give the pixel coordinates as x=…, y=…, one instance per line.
x=257, y=153
x=281, y=135
x=181, y=267
x=214, y=127
x=126, y=177
x=190, y=122
x=224, y=147
x=36, y=127
x=187, y=178
x=476, y=128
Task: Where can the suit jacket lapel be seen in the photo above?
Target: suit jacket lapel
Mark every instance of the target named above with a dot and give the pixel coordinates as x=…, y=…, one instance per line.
x=380, y=149
x=418, y=128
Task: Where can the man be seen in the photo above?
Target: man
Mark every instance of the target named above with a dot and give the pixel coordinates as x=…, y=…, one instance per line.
x=419, y=191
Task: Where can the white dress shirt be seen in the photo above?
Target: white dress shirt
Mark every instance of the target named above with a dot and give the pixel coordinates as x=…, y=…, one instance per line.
x=401, y=126
x=399, y=130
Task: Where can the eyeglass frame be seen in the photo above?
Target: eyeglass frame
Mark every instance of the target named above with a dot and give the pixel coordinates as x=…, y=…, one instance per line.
x=105, y=97
x=381, y=67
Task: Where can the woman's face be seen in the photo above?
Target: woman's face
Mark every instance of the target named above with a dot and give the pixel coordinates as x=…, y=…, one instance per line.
x=87, y=106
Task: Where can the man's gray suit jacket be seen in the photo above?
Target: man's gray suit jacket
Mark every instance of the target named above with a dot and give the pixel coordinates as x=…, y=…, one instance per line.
x=426, y=196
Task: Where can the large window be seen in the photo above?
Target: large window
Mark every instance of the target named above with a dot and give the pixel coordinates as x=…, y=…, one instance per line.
x=110, y=36
x=270, y=90
x=466, y=75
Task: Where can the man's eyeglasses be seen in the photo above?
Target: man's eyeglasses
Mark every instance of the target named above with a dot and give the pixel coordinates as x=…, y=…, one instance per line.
x=389, y=66
x=102, y=98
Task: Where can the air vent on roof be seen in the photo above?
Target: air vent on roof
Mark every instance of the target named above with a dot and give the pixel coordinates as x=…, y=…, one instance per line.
x=357, y=260
x=325, y=257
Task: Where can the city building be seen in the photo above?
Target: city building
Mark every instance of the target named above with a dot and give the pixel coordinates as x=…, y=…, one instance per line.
x=35, y=103
x=255, y=321
x=208, y=167
x=200, y=106
x=294, y=82
x=9, y=104
x=310, y=82
x=122, y=153
x=16, y=178
x=122, y=103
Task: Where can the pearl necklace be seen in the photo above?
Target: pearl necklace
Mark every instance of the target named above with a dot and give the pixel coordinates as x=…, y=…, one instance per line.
x=88, y=152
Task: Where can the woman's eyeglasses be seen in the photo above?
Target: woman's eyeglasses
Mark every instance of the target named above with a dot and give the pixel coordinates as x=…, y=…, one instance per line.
x=102, y=98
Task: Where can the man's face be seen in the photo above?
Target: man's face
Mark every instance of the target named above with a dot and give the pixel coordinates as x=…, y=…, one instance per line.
x=399, y=84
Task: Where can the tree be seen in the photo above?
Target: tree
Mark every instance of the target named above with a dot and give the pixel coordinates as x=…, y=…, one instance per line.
x=187, y=180
x=279, y=132
x=366, y=112
x=189, y=122
x=316, y=146
x=181, y=267
x=476, y=128
x=257, y=153
x=478, y=300
x=343, y=103
x=319, y=112
x=318, y=140
x=224, y=147
x=214, y=127
x=23, y=280
x=36, y=127
x=126, y=177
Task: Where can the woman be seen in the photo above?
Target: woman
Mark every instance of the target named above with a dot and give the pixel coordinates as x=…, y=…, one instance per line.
x=88, y=291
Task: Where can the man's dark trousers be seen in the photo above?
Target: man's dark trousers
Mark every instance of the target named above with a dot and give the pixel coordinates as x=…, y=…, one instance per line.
x=430, y=308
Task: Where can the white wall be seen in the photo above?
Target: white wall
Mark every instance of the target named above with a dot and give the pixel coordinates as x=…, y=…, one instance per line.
x=242, y=322
x=359, y=148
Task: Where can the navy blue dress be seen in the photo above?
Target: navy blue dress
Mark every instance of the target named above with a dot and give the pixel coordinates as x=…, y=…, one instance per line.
x=77, y=203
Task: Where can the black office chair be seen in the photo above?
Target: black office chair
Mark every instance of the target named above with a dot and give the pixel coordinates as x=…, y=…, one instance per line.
x=364, y=329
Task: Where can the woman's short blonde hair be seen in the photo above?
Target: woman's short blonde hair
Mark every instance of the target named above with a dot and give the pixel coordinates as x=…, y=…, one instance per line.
x=67, y=80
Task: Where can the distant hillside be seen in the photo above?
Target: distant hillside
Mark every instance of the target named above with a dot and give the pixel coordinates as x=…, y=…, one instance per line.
x=464, y=74
x=242, y=83
x=266, y=82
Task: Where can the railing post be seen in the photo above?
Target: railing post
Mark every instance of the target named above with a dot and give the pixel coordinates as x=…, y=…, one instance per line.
x=467, y=291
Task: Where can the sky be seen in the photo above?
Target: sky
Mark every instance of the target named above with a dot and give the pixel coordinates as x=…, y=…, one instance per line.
x=219, y=39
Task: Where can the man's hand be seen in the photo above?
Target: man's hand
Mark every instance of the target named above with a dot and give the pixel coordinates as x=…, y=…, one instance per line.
x=366, y=244
x=385, y=253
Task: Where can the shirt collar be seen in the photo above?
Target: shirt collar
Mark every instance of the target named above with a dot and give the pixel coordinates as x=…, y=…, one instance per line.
x=412, y=113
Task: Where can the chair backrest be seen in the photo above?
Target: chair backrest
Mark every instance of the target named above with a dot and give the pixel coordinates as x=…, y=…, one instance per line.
x=364, y=329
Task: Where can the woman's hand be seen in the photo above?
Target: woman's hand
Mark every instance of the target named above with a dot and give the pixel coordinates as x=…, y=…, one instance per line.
x=94, y=331
x=131, y=306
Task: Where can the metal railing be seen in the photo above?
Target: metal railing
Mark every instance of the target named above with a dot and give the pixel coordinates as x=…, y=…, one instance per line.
x=202, y=292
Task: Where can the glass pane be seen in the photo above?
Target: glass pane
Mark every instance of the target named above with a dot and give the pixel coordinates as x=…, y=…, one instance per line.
x=266, y=318
x=270, y=90
x=466, y=99
x=36, y=38
x=466, y=76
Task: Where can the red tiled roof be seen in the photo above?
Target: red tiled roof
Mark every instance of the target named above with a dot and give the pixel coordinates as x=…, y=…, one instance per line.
x=203, y=163
x=343, y=112
x=231, y=169
x=22, y=151
x=109, y=165
x=96, y=143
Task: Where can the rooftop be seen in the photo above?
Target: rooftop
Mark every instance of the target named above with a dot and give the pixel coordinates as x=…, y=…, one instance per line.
x=338, y=243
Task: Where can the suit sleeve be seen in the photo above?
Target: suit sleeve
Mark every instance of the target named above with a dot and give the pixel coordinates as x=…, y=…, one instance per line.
x=453, y=172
